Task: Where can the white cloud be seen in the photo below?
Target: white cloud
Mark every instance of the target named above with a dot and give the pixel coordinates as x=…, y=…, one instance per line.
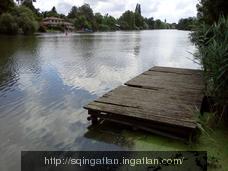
x=171, y=10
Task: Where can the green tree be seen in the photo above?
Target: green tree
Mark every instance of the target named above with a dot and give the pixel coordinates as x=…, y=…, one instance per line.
x=158, y=24
x=109, y=21
x=53, y=10
x=81, y=23
x=138, y=9
x=29, y=4
x=84, y=18
x=150, y=22
x=186, y=23
x=86, y=11
x=103, y=27
x=27, y=25
x=73, y=12
x=8, y=24
x=6, y=6
x=25, y=19
x=98, y=18
x=127, y=20
x=209, y=11
x=51, y=13
x=139, y=21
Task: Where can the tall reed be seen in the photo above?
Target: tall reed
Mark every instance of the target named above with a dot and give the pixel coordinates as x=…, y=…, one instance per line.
x=212, y=43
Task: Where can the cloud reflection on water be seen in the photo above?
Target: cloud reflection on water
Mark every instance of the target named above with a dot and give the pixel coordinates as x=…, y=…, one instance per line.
x=55, y=75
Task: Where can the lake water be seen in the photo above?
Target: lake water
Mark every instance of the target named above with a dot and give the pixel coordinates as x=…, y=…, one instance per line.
x=46, y=79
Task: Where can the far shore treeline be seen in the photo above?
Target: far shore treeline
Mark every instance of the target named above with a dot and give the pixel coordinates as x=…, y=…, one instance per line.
x=24, y=18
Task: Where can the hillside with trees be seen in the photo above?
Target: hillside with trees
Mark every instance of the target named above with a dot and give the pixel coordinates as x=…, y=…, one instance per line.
x=24, y=18
x=17, y=19
x=186, y=23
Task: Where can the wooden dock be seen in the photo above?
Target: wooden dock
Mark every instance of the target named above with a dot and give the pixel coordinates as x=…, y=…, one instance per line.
x=161, y=100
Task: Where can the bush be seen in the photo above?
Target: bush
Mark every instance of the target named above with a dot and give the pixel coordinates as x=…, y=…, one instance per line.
x=8, y=24
x=42, y=29
x=103, y=27
x=26, y=19
x=27, y=25
x=212, y=43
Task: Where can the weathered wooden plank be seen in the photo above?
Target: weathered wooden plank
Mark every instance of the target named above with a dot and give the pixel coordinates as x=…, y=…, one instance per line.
x=161, y=98
x=139, y=113
x=146, y=81
x=158, y=110
x=182, y=71
x=161, y=105
x=154, y=96
x=178, y=77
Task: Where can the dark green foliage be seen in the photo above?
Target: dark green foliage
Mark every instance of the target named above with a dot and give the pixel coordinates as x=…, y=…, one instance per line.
x=138, y=9
x=98, y=18
x=211, y=38
x=26, y=20
x=8, y=24
x=53, y=10
x=23, y=11
x=73, y=12
x=150, y=22
x=133, y=20
x=42, y=29
x=212, y=43
x=6, y=6
x=21, y=19
x=29, y=4
x=28, y=26
x=51, y=13
x=139, y=21
x=109, y=22
x=86, y=11
x=158, y=24
x=209, y=11
x=83, y=18
x=186, y=23
x=127, y=20
x=103, y=27
x=81, y=23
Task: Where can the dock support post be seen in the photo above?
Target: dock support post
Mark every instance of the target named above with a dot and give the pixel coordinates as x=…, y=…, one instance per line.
x=93, y=116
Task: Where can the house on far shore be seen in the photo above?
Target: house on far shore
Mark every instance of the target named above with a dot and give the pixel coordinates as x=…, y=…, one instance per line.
x=57, y=23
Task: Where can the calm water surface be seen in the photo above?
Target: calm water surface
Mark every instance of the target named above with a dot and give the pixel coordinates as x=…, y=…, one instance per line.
x=46, y=79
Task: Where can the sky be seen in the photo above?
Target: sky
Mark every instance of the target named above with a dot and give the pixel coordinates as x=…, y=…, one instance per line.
x=171, y=10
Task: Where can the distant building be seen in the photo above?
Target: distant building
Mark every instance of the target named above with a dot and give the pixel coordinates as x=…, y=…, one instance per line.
x=57, y=22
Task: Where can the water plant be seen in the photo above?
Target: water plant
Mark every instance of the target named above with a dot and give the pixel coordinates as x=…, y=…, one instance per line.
x=212, y=43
